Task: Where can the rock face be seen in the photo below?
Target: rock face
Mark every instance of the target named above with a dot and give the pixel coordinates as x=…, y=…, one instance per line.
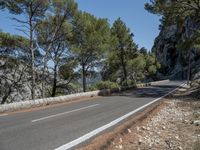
x=15, y=82
x=173, y=60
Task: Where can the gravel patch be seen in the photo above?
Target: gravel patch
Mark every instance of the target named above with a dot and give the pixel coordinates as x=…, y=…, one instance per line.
x=174, y=127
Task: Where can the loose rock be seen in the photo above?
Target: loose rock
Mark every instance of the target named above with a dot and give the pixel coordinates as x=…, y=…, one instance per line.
x=196, y=122
x=129, y=131
x=120, y=146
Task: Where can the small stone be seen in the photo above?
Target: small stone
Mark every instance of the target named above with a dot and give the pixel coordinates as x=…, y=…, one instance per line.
x=120, y=140
x=176, y=137
x=196, y=122
x=187, y=86
x=138, y=128
x=158, y=132
x=180, y=148
x=182, y=90
x=120, y=146
x=140, y=141
x=147, y=128
x=196, y=113
x=143, y=128
x=129, y=131
x=150, y=145
x=163, y=127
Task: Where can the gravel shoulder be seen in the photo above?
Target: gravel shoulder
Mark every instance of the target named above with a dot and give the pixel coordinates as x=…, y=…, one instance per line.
x=173, y=125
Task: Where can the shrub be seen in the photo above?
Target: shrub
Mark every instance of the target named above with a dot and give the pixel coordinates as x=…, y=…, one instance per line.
x=152, y=70
x=92, y=88
x=131, y=82
x=107, y=85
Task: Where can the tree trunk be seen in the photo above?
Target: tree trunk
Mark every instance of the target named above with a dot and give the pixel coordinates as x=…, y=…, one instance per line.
x=189, y=68
x=32, y=55
x=84, y=78
x=54, y=82
x=125, y=74
x=44, y=78
x=4, y=99
x=33, y=74
x=124, y=67
x=45, y=71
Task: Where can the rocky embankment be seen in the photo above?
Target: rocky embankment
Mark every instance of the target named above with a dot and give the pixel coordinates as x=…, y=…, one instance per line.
x=175, y=125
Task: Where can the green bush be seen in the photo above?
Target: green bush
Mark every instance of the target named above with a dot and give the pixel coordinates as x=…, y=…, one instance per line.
x=92, y=88
x=107, y=85
x=152, y=70
x=128, y=83
x=131, y=82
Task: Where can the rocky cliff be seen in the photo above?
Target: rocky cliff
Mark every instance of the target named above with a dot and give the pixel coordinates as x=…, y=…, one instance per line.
x=174, y=60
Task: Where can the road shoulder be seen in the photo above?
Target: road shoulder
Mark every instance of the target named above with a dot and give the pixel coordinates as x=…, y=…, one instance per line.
x=172, y=123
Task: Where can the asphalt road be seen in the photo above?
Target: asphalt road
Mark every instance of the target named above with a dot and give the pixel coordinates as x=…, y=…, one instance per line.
x=51, y=128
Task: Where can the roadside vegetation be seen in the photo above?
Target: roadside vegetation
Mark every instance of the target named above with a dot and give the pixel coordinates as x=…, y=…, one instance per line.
x=63, y=50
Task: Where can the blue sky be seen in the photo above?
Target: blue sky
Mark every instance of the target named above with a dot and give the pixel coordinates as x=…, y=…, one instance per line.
x=143, y=24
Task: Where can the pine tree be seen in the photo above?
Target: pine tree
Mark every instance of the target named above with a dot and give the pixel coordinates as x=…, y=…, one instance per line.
x=90, y=42
x=123, y=47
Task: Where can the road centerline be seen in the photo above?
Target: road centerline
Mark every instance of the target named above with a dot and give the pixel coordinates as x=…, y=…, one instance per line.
x=67, y=112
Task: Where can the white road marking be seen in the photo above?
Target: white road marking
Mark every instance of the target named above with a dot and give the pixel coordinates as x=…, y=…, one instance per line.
x=2, y=115
x=100, y=129
x=64, y=113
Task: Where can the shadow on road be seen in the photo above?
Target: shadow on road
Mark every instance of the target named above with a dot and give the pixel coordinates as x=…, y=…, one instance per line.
x=154, y=91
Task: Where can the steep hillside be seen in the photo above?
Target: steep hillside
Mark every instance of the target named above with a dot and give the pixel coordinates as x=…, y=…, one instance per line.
x=173, y=59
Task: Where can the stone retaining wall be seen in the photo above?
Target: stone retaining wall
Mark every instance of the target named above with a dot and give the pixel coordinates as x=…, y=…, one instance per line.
x=52, y=100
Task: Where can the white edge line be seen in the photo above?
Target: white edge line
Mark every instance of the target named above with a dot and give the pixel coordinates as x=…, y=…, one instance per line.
x=2, y=115
x=64, y=113
x=100, y=129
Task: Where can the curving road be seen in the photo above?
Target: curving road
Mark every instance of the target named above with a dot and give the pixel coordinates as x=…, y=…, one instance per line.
x=66, y=126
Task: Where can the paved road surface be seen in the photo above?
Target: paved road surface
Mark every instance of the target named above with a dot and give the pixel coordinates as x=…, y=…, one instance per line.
x=52, y=128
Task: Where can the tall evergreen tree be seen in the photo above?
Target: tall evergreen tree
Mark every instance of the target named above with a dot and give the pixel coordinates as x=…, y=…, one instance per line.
x=53, y=35
x=90, y=42
x=123, y=46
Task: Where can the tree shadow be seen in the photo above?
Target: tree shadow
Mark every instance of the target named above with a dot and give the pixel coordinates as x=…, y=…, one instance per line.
x=154, y=91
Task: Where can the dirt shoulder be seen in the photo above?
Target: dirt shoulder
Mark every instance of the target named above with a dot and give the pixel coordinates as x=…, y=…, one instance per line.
x=174, y=124
x=171, y=127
